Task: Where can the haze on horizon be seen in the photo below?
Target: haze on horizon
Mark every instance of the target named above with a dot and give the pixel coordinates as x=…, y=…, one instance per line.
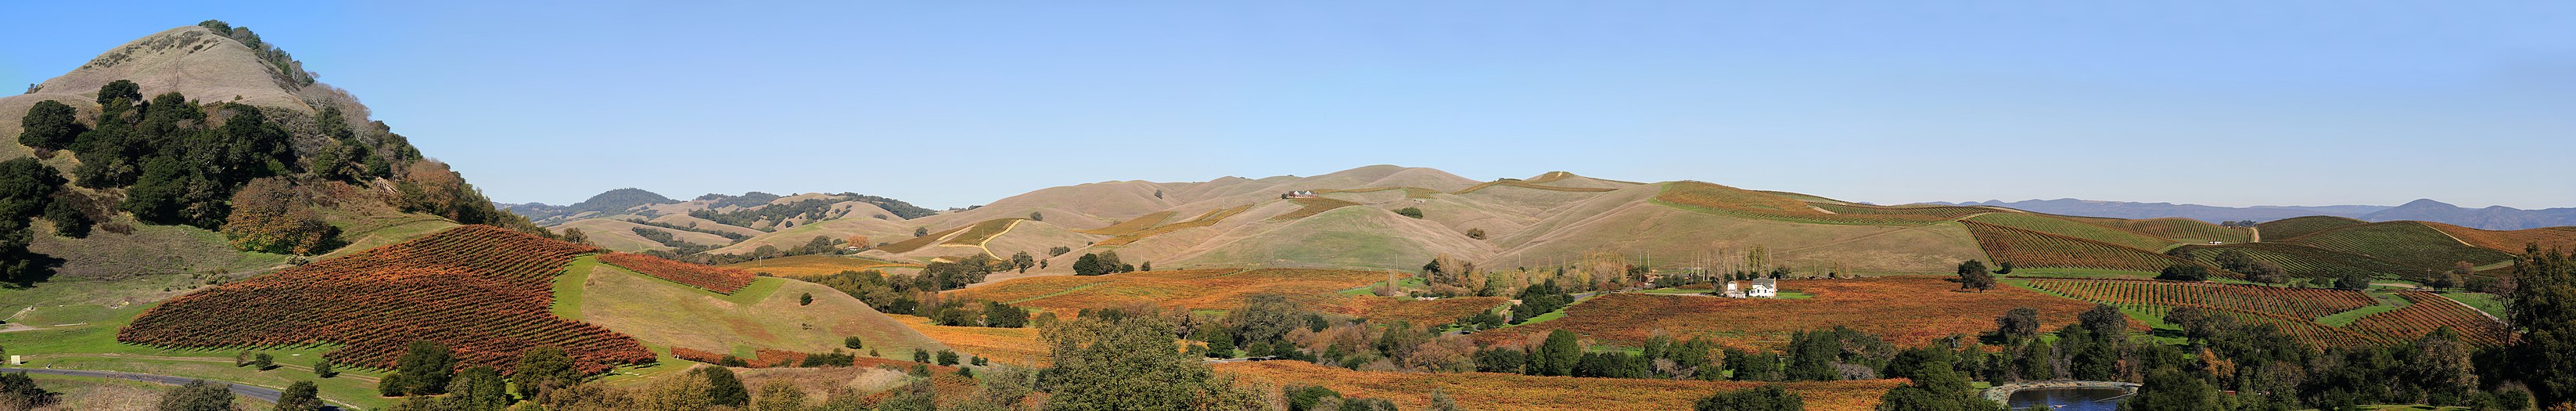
x=943, y=105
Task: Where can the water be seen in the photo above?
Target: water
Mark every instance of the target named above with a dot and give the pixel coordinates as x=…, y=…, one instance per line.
x=2068, y=399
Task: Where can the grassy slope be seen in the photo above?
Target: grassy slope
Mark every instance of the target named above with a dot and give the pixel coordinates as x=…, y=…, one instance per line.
x=2513, y=241
x=1349, y=237
x=815, y=264
x=1670, y=233
x=765, y=315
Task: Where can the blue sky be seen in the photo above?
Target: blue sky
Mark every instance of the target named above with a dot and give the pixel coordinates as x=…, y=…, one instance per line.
x=957, y=103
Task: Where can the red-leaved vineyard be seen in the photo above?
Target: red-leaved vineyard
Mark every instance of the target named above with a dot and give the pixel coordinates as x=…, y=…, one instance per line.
x=480, y=290
x=717, y=279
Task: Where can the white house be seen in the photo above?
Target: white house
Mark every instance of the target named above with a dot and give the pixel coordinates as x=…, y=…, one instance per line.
x=1764, y=288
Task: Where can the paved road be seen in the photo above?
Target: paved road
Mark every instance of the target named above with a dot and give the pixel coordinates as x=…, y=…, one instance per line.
x=262, y=393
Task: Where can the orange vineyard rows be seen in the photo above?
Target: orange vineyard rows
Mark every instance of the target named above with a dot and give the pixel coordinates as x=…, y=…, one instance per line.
x=2430, y=312
x=2032, y=249
x=482, y=291
x=717, y=279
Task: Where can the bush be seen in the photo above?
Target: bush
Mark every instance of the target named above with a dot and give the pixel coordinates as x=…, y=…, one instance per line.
x=853, y=342
x=1409, y=212
x=2184, y=272
x=947, y=357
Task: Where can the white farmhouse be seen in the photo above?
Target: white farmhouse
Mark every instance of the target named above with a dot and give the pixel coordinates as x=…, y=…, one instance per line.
x=1763, y=288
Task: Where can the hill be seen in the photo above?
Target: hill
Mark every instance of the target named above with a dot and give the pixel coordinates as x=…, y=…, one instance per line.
x=2289, y=228
x=2137, y=210
x=611, y=202
x=766, y=314
x=2490, y=218
x=204, y=151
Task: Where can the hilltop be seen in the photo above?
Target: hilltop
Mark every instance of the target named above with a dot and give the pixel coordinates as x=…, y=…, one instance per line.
x=217, y=150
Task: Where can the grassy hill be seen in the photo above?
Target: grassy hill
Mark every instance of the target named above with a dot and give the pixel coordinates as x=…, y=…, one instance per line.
x=764, y=315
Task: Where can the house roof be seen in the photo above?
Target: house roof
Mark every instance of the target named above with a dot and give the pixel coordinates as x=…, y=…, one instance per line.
x=1766, y=282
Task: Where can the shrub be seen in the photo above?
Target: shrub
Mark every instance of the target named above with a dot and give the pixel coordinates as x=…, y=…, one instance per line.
x=1409, y=212
x=853, y=342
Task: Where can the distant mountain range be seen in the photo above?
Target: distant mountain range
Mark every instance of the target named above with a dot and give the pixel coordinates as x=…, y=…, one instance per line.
x=2491, y=218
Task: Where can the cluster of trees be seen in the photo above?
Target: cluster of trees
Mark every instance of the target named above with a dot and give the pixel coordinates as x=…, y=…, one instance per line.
x=284, y=64
x=785, y=215
x=678, y=247
x=20, y=392
x=28, y=189
x=962, y=312
x=906, y=294
x=2255, y=270
x=177, y=161
x=1103, y=263
x=1409, y=212
x=427, y=374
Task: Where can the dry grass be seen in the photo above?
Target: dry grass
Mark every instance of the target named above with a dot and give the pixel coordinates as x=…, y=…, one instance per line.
x=1309, y=207
x=1906, y=310
x=1179, y=289
x=1140, y=223
x=1206, y=219
x=1490, y=391
x=977, y=233
x=814, y=264
x=1015, y=346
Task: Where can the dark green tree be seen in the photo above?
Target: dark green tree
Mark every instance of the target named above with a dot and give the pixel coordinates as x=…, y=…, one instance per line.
x=853, y=342
x=198, y=395
x=1763, y=398
x=479, y=389
x=124, y=89
x=1973, y=275
x=300, y=396
x=20, y=392
x=542, y=369
x=324, y=368
x=1557, y=355
x=2544, y=308
x=1409, y=212
x=723, y=388
x=2183, y=272
x=424, y=369
x=50, y=125
x=2016, y=325
x=805, y=299
x=2169, y=389
x=2106, y=322
x=1940, y=389
x=1089, y=264
x=1131, y=363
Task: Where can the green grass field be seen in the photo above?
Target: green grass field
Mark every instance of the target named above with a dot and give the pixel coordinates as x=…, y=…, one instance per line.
x=2488, y=303
x=2387, y=302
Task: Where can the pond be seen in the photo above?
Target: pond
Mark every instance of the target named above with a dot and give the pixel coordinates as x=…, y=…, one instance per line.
x=2068, y=399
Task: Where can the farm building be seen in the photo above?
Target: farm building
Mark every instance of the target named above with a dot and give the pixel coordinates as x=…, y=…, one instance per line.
x=1762, y=288
x=1298, y=194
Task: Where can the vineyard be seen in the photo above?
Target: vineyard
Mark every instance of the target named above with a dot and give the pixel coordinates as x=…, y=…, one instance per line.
x=1140, y=223
x=1906, y=310
x=717, y=279
x=1945, y=212
x=2299, y=261
x=2294, y=310
x=1493, y=391
x=2288, y=228
x=2403, y=242
x=1205, y=219
x=2071, y=228
x=1310, y=206
x=482, y=291
x=2512, y=241
x=916, y=243
x=1018, y=346
x=2182, y=230
x=2026, y=248
x=1421, y=312
x=2431, y=312
x=976, y=234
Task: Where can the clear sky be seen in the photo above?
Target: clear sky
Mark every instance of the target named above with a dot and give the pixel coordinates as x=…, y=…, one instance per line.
x=956, y=103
